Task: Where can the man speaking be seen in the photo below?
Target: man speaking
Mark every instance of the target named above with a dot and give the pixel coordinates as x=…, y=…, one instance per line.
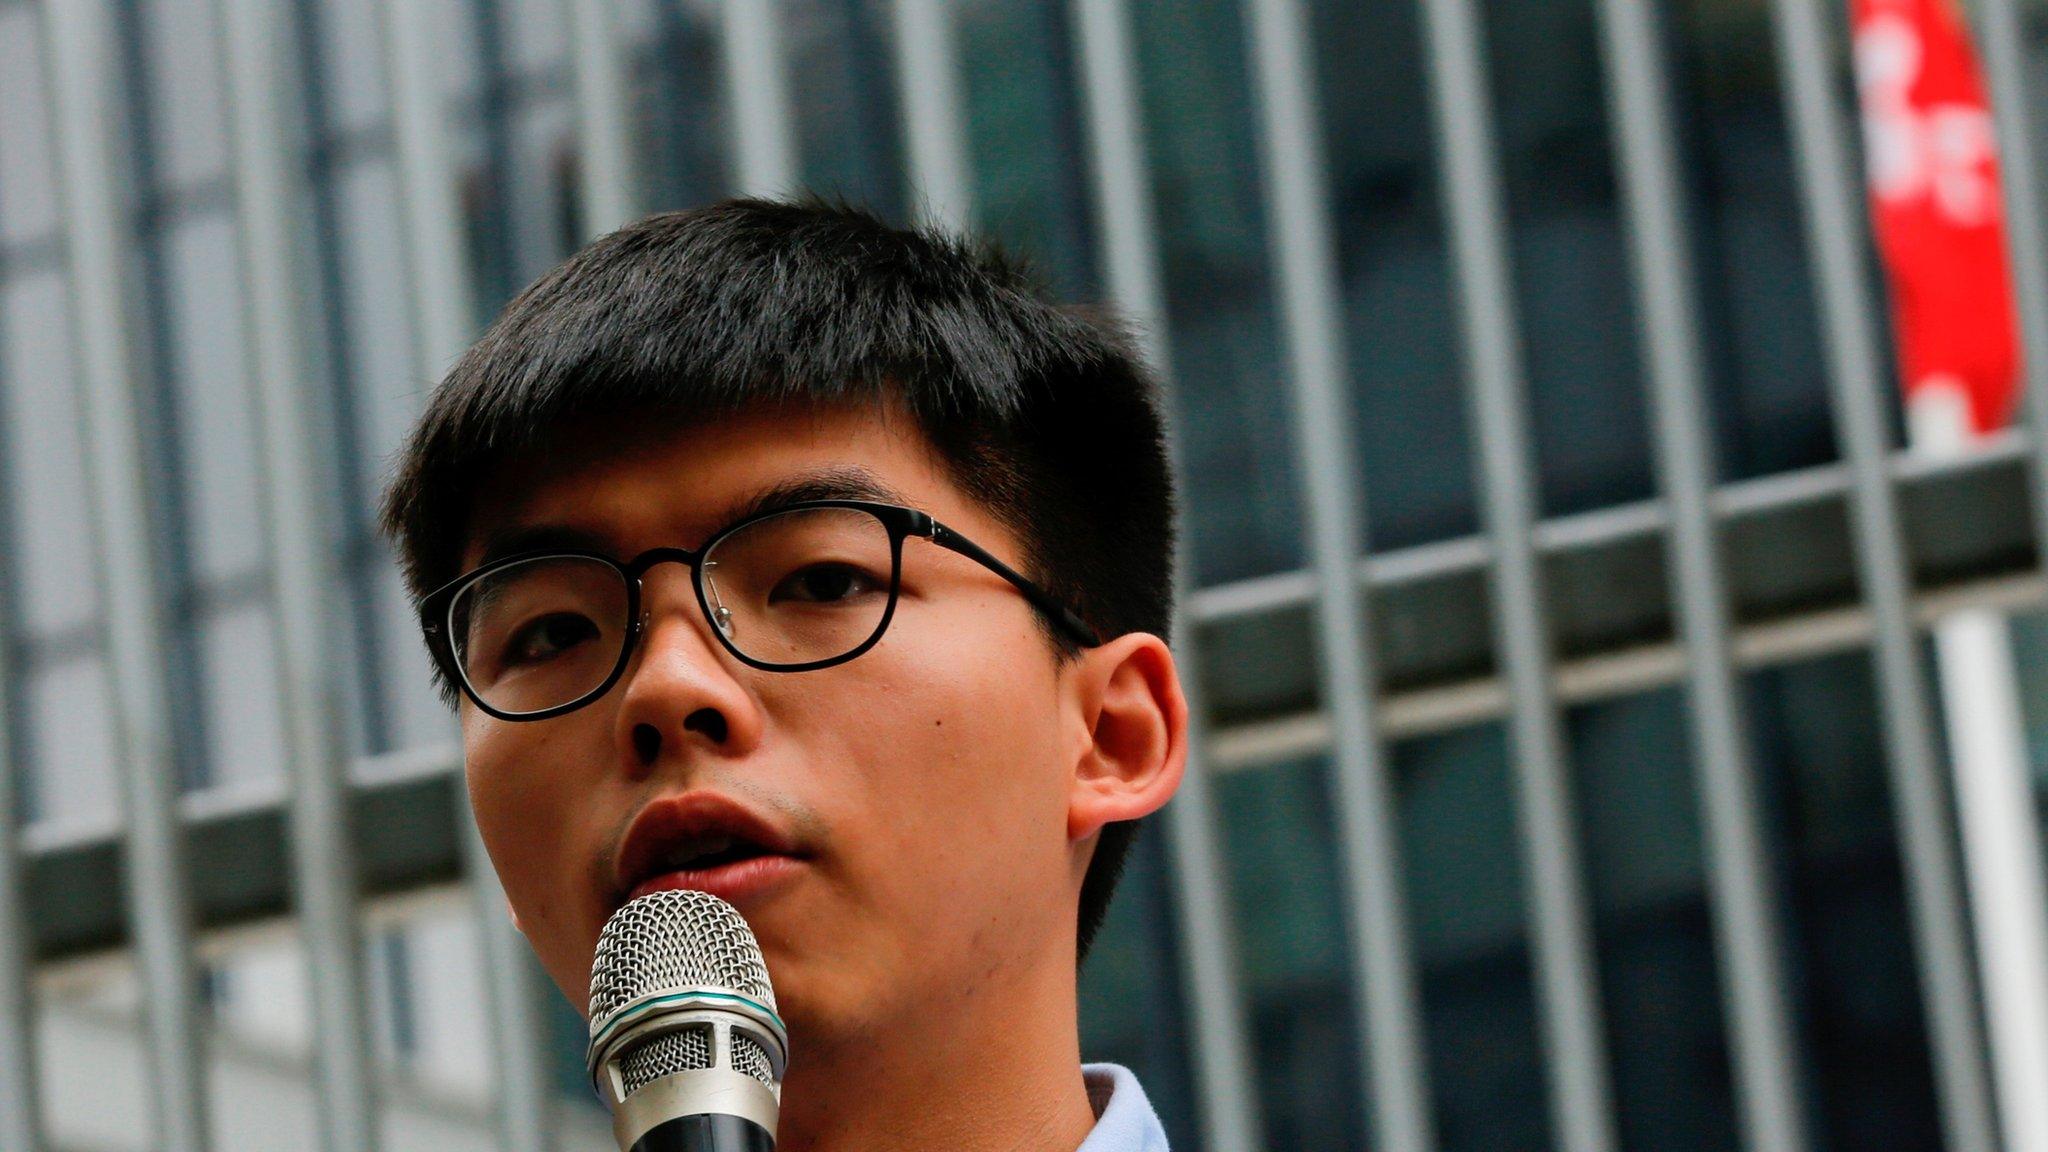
x=821, y=566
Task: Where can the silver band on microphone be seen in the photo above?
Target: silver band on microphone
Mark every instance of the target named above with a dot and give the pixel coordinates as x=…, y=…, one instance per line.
x=725, y=1022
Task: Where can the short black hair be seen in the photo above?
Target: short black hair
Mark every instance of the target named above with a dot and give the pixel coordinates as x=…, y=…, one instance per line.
x=1042, y=413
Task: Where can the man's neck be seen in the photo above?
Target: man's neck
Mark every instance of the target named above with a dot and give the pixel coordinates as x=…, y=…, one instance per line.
x=985, y=1084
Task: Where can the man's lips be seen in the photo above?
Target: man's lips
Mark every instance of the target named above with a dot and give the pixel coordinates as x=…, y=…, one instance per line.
x=733, y=883
x=703, y=841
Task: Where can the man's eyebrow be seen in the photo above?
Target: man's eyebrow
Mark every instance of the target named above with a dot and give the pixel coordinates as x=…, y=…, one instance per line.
x=847, y=482
x=518, y=539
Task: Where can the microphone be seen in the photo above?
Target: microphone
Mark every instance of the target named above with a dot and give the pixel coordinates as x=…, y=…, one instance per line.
x=685, y=1045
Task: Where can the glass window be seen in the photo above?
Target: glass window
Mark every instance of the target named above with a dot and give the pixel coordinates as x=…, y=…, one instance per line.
x=841, y=69
x=2030, y=660
x=216, y=420
x=182, y=103
x=634, y=21
x=244, y=712
x=263, y=995
x=28, y=163
x=1637, y=801
x=1399, y=312
x=1231, y=404
x=1573, y=283
x=566, y=1038
x=352, y=639
x=679, y=108
x=1763, y=339
x=353, y=90
x=72, y=758
x=1573, y=287
x=53, y=561
x=1821, y=764
x=376, y=309
x=80, y=1029
x=387, y=987
x=459, y=50
x=1029, y=148
x=1673, y=1082
x=541, y=210
x=536, y=35
x=448, y=988
x=2030, y=657
x=1287, y=892
x=261, y=1009
x=1464, y=883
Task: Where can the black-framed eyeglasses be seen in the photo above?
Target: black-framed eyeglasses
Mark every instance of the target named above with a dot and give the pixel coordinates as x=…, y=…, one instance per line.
x=800, y=587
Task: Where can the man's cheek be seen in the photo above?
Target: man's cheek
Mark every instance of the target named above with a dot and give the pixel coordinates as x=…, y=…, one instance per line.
x=530, y=834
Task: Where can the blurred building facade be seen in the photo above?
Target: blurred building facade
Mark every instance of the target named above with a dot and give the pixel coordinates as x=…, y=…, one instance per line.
x=1433, y=935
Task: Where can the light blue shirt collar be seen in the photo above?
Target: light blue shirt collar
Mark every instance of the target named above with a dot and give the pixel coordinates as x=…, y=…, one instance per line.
x=1124, y=1120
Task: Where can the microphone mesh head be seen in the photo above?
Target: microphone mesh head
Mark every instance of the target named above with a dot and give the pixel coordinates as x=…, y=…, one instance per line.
x=670, y=940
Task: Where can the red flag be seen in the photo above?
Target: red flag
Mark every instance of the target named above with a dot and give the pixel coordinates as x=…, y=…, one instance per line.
x=1940, y=222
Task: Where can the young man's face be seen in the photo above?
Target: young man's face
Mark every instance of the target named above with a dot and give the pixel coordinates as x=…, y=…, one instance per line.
x=930, y=804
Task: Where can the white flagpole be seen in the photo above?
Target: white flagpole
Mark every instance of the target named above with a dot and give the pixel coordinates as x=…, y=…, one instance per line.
x=2001, y=836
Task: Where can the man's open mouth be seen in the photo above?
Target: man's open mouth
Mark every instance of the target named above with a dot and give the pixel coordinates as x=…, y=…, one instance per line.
x=699, y=854
x=702, y=841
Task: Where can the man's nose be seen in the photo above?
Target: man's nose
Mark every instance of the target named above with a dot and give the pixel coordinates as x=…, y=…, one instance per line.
x=683, y=692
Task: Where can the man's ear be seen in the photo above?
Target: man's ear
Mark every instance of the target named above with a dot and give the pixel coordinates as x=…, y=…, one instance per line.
x=1137, y=726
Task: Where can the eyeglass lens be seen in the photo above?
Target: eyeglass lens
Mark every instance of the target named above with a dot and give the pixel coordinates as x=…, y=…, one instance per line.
x=793, y=588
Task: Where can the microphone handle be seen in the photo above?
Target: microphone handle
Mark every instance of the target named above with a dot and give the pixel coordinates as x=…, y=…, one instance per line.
x=706, y=1132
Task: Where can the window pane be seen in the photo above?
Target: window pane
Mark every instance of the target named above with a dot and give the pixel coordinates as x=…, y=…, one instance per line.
x=1287, y=893
x=216, y=417
x=1029, y=148
x=45, y=464
x=377, y=311
x=450, y=1033
x=352, y=84
x=458, y=52
x=94, y=1073
x=679, y=108
x=262, y=995
x=541, y=212
x=244, y=713
x=1233, y=415
x=72, y=759
x=1821, y=762
x=1464, y=881
x=28, y=165
x=1756, y=291
x=536, y=35
x=1572, y=280
x=387, y=987
x=843, y=96
x=633, y=21
x=2030, y=655
x=1673, y=1081
x=1399, y=315
x=184, y=104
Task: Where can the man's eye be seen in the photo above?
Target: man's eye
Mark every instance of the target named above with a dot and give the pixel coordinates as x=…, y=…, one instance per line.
x=823, y=584
x=548, y=637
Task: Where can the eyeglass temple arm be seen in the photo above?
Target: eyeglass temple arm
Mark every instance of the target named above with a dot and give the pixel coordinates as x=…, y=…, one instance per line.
x=1067, y=619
